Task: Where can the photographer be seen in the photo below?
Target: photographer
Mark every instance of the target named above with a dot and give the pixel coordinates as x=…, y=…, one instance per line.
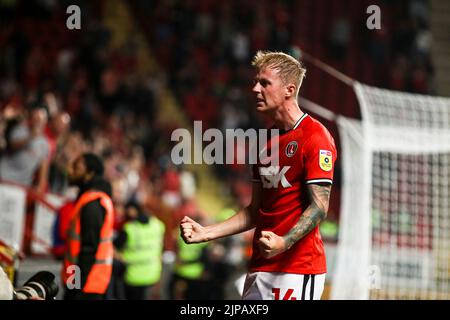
x=6, y=287
x=41, y=286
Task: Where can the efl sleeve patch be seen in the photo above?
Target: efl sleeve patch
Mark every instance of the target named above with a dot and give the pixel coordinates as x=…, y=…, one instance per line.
x=325, y=160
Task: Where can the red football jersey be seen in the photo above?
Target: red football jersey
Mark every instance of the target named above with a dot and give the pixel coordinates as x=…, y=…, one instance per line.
x=306, y=155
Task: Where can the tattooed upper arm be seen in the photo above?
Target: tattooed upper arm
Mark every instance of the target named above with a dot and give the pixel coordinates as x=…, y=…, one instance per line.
x=319, y=195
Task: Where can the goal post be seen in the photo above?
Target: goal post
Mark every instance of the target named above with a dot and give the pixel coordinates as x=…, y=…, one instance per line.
x=394, y=236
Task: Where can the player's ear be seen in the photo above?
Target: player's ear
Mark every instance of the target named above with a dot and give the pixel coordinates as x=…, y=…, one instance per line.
x=290, y=90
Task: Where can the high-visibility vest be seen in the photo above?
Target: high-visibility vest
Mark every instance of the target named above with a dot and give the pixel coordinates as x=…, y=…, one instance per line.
x=100, y=274
x=143, y=252
x=188, y=263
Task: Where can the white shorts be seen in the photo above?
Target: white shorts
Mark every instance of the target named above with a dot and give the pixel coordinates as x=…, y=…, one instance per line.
x=283, y=286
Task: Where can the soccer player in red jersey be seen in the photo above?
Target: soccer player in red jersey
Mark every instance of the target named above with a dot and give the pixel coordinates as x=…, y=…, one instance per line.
x=289, y=199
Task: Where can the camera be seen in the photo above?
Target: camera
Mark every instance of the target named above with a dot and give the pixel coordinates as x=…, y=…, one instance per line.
x=40, y=286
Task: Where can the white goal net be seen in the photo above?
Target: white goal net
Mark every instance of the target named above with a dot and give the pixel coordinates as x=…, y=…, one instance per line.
x=394, y=240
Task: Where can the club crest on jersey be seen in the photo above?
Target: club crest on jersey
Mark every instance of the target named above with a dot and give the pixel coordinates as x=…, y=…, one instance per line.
x=291, y=148
x=325, y=160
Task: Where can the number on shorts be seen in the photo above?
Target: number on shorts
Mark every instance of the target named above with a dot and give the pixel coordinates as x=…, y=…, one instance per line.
x=287, y=295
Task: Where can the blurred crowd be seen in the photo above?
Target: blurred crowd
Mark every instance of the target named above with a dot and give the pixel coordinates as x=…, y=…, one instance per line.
x=63, y=93
x=404, y=44
x=205, y=48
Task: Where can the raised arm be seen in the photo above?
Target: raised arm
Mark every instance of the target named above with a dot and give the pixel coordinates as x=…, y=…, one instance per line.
x=319, y=196
x=243, y=220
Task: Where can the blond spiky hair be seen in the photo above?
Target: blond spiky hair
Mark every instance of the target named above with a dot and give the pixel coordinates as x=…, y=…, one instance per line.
x=289, y=68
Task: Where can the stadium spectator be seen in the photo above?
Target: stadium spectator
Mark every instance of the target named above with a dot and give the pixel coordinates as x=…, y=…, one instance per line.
x=26, y=157
x=57, y=127
x=56, y=133
x=340, y=34
x=60, y=228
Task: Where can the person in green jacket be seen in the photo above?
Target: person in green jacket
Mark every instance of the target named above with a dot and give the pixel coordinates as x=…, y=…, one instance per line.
x=187, y=281
x=140, y=247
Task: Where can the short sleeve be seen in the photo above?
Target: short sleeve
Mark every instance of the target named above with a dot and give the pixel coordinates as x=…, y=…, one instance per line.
x=319, y=156
x=40, y=148
x=20, y=133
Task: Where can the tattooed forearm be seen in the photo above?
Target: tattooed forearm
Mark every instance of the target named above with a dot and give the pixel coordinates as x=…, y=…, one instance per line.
x=307, y=222
x=316, y=212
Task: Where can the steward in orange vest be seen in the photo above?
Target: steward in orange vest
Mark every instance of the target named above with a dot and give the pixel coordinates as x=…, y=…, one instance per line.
x=89, y=250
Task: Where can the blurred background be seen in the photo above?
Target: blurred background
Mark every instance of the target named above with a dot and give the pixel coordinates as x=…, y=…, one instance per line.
x=137, y=70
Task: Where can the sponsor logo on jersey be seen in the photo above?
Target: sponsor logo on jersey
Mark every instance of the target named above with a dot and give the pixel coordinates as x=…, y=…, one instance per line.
x=325, y=160
x=291, y=148
x=273, y=175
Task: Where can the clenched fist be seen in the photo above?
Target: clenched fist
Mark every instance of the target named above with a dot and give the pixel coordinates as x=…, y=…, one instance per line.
x=191, y=231
x=271, y=244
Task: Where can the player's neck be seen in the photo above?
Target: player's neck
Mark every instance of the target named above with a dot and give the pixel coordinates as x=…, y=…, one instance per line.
x=287, y=116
